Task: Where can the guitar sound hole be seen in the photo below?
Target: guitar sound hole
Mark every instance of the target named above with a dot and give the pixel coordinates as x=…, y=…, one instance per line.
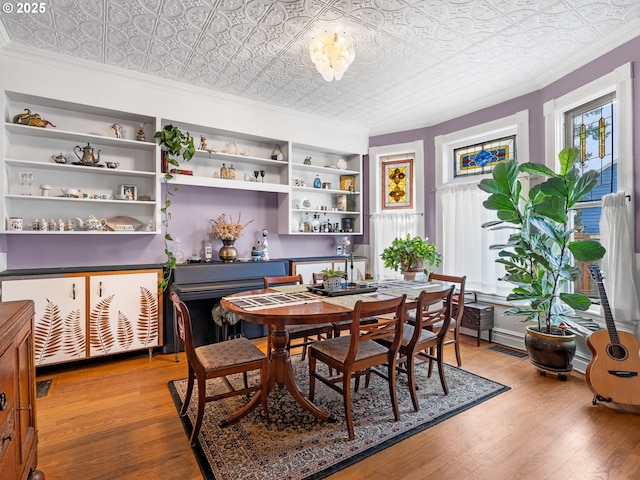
x=617, y=352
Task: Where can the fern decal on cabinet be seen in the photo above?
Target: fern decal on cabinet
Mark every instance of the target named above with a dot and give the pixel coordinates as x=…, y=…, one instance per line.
x=48, y=333
x=125, y=331
x=123, y=313
x=100, y=335
x=147, y=321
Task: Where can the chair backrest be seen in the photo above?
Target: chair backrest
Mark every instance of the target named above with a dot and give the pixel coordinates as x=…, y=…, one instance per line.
x=282, y=280
x=427, y=316
x=385, y=326
x=185, y=332
x=317, y=278
x=458, y=295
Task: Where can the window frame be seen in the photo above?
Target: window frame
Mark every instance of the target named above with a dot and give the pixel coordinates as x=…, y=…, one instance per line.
x=619, y=81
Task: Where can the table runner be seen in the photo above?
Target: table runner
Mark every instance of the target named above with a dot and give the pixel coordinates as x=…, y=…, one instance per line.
x=262, y=301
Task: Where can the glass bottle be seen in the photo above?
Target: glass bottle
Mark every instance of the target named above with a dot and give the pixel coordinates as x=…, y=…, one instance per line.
x=315, y=224
x=231, y=171
x=224, y=171
x=307, y=223
x=208, y=250
x=317, y=183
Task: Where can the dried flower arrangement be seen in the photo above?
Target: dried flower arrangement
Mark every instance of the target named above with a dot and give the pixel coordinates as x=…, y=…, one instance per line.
x=226, y=228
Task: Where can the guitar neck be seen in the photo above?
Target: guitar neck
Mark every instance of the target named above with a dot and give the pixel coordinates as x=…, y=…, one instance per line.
x=608, y=317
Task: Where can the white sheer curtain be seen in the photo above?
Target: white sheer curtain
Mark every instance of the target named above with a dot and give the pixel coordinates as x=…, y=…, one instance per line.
x=618, y=263
x=465, y=244
x=384, y=228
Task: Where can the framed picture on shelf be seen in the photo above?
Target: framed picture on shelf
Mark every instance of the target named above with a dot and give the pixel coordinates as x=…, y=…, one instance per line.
x=130, y=192
x=348, y=183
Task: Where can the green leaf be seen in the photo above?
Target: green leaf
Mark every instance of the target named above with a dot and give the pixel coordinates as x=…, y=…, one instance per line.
x=587, y=250
x=576, y=301
x=553, y=208
x=584, y=184
x=567, y=158
x=537, y=169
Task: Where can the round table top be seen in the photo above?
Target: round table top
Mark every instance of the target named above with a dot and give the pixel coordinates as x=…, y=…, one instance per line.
x=307, y=313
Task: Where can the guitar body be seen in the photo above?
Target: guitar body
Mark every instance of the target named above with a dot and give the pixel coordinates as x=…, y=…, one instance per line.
x=613, y=374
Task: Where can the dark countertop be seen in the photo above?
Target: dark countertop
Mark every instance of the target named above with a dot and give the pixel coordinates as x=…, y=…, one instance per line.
x=330, y=257
x=63, y=270
x=111, y=268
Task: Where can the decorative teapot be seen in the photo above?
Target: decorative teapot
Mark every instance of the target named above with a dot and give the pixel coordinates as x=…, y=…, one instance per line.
x=92, y=223
x=59, y=158
x=87, y=155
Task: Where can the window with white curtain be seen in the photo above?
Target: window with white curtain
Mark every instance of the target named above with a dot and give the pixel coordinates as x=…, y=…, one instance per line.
x=387, y=224
x=463, y=242
x=608, y=97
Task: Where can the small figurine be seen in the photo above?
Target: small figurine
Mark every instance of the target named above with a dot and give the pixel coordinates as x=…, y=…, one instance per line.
x=265, y=246
x=203, y=144
x=31, y=119
x=140, y=133
x=116, y=128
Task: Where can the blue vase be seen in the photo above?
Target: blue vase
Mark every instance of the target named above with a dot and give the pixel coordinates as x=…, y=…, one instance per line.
x=317, y=183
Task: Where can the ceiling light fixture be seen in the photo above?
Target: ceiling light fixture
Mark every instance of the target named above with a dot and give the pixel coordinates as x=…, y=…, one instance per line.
x=332, y=53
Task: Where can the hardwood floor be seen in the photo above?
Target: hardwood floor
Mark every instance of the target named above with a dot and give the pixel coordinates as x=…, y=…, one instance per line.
x=114, y=419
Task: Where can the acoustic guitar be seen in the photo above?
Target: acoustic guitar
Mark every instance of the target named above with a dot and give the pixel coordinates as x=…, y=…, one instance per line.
x=612, y=373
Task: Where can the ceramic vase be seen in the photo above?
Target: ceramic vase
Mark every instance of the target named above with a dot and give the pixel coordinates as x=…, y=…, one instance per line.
x=228, y=252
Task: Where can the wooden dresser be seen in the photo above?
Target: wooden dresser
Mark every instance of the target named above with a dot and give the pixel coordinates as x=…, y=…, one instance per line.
x=18, y=452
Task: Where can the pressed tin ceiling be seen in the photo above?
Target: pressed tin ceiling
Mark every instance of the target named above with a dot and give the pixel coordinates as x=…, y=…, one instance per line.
x=417, y=63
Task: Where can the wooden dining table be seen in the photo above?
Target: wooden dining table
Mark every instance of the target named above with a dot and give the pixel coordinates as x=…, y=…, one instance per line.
x=311, y=309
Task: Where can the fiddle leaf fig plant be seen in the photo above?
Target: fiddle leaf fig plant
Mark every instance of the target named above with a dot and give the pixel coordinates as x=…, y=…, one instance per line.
x=411, y=253
x=539, y=255
x=176, y=144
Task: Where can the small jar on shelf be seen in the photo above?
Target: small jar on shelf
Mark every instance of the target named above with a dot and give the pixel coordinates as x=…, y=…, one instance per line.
x=224, y=172
x=231, y=172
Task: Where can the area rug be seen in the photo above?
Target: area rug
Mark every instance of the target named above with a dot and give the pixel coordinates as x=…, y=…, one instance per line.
x=295, y=445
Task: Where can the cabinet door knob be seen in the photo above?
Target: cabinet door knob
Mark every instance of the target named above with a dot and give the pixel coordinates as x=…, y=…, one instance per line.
x=3, y=401
x=73, y=291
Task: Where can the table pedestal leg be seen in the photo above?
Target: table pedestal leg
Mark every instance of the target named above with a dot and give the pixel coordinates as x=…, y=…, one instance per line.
x=280, y=373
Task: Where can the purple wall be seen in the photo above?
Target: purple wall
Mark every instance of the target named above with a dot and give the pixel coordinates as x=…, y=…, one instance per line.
x=191, y=210
x=629, y=52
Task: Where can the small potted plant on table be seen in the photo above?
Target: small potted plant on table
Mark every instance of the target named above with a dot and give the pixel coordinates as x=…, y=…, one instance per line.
x=331, y=279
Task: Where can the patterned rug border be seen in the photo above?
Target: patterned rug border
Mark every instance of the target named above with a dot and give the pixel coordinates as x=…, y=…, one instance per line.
x=208, y=474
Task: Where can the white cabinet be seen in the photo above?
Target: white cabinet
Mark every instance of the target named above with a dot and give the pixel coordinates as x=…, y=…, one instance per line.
x=78, y=190
x=123, y=313
x=60, y=320
x=248, y=155
x=328, y=190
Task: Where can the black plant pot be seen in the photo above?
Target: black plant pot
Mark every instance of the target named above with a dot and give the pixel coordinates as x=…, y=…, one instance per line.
x=550, y=352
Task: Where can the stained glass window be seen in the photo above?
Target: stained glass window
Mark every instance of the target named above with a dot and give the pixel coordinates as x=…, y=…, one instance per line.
x=397, y=184
x=480, y=158
x=592, y=128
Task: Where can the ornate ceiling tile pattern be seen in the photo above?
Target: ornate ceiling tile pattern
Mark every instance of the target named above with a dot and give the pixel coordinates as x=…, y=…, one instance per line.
x=416, y=61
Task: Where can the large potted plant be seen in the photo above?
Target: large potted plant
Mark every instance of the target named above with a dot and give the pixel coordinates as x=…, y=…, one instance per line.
x=176, y=144
x=410, y=255
x=540, y=252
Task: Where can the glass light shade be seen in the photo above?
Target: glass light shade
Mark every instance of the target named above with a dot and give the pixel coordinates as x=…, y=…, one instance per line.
x=332, y=53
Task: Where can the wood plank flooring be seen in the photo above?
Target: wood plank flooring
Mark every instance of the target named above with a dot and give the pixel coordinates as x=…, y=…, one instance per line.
x=114, y=419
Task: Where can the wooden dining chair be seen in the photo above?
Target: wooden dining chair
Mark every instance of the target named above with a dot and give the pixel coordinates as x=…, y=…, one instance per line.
x=217, y=360
x=355, y=355
x=420, y=341
x=308, y=333
x=458, y=309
